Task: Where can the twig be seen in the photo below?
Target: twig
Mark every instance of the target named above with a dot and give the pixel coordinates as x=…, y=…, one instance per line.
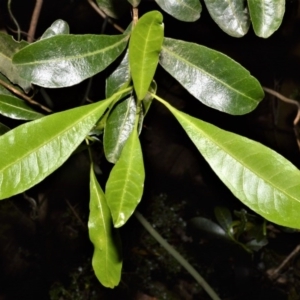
x=17, y=92
x=290, y=101
x=287, y=100
x=276, y=272
x=14, y=20
x=75, y=214
x=34, y=20
x=104, y=16
x=177, y=256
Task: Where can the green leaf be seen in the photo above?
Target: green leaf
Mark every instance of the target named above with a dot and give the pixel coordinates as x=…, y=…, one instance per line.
x=144, y=48
x=113, y=8
x=57, y=27
x=3, y=129
x=32, y=151
x=212, y=77
x=8, y=47
x=258, y=176
x=266, y=16
x=223, y=216
x=120, y=78
x=134, y=3
x=4, y=91
x=119, y=125
x=125, y=184
x=184, y=10
x=231, y=15
x=107, y=257
x=16, y=108
x=65, y=60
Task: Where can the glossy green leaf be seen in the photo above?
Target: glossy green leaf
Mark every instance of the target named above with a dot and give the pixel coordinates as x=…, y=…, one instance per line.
x=223, y=216
x=32, y=151
x=3, y=129
x=107, y=258
x=144, y=48
x=258, y=176
x=125, y=184
x=232, y=16
x=15, y=108
x=119, y=78
x=266, y=16
x=184, y=10
x=212, y=77
x=113, y=8
x=119, y=125
x=4, y=91
x=134, y=3
x=8, y=47
x=57, y=27
x=65, y=60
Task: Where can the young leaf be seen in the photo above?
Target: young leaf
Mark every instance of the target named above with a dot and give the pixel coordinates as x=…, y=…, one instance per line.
x=124, y=187
x=184, y=10
x=8, y=47
x=15, y=108
x=119, y=125
x=266, y=16
x=212, y=77
x=209, y=227
x=65, y=60
x=134, y=3
x=113, y=8
x=231, y=15
x=261, y=178
x=107, y=258
x=57, y=27
x=119, y=78
x=223, y=216
x=32, y=151
x=144, y=47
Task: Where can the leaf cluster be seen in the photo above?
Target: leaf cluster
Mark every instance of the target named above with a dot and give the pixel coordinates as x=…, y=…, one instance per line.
x=261, y=178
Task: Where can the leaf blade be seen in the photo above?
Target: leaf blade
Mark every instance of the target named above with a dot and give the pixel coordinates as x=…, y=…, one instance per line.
x=8, y=47
x=65, y=60
x=118, y=128
x=261, y=178
x=266, y=16
x=231, y=16
x=212, y=77
x=15, y=108
x=32, y=151
x=106, y=261
x=188, y=11
x=124, y=187
x=144, y=47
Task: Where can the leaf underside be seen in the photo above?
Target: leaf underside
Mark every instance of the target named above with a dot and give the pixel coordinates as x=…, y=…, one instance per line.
x=107, y=258
x=34, y=150
x=125, y=184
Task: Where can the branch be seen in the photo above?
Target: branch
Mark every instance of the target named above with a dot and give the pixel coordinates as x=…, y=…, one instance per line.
x=104, y=16
x=287, y=100
x=18, y=93
x=34, y=20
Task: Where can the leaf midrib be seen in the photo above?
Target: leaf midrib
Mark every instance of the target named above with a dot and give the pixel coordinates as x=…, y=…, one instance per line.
x=208, y=74
x=72, y=57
